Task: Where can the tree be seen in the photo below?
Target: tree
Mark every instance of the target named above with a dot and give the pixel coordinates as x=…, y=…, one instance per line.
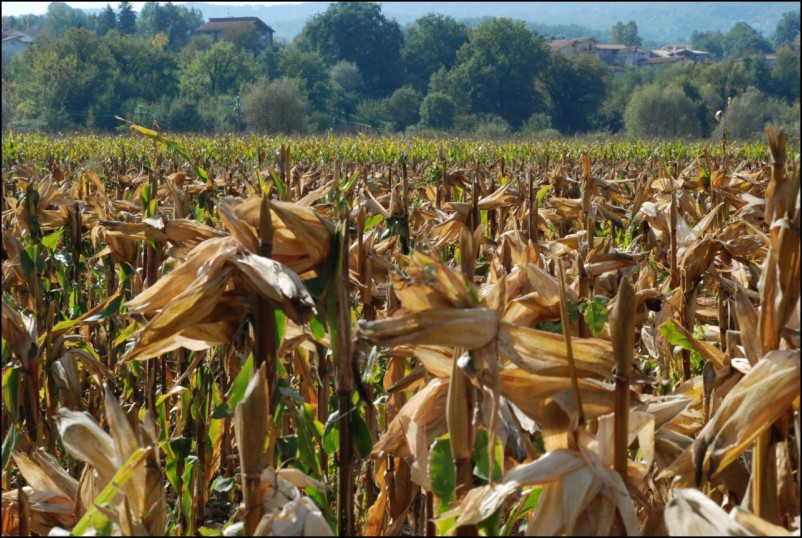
x=176, y=22
x=61, y=17
x=62, y=82
x=437, y=111
x=106, y=21
x=747, y=114
x=431, y=42
x=244, y=38
x=742, y=39
x=275, y=107
x=359, y=33
x=626, y=34
x=785, y=75
x=222, y=69
x=787, y=30
x=310, y=68
x=346, y=84
x=126, y=18
x=712, y=42
x=576, y=89
x=143, y=69
x=403, y=107
x=655, y=111
x=496, y=70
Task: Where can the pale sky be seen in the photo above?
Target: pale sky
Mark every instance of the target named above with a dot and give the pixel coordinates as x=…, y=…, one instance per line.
x=40, y=8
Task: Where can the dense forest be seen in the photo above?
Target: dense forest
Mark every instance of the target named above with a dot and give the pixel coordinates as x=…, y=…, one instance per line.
x=353, y=69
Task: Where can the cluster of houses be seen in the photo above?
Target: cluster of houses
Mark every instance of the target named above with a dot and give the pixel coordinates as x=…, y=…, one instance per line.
x=620, y=56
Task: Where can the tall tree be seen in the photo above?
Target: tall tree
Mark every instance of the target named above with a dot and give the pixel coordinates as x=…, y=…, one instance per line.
x=576, y=89
x=106, y=21
x=61, y=17
x=220, y=70
x=431, y=42
x=712, y=42
x=358, y=32
x=143, y=69
x=742, y=39
x=65, y=82
x=787, y=30
x=310, y=68
x=626, y=34
x=496, y=70
x=785, y=74
x=126, y=18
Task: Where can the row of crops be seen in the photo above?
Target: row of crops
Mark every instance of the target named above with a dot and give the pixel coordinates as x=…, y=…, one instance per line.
x=277, y=336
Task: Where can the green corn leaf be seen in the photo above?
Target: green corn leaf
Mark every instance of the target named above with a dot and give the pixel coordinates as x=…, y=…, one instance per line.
x=94, y=518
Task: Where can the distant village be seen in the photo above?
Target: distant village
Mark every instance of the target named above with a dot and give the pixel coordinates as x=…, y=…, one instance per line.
x=618, y=57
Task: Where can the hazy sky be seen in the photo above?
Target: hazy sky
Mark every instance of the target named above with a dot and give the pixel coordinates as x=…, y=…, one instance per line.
x=40, y=8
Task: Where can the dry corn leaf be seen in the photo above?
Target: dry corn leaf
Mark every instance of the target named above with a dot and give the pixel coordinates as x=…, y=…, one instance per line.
x=749, y=408
x=544, y=353
x=42, y=473
x=279, y=285
x=86, y=441
x=691, y=513
x=186, y=309
x=469, y=328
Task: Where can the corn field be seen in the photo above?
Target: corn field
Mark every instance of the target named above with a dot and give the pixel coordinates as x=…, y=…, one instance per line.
x=321, y=336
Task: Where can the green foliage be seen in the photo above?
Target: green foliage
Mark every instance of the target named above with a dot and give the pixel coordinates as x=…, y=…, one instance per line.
x=496, y=69
x=437, y=111
x=750, y=112
x=787, y=31
x=595, y=313
x=712, y=42
x=276, y=107
x=490, y=127
x=576, y=89
x=743, y=39
x=106, y=21
x=359, y=33
x=431, y=42
x=657, y=111
x=176, y=22
x=126, y=18
x=626, y=34
x=442, y=471
x=403, y=107
x=220, y=70
x=309, y=68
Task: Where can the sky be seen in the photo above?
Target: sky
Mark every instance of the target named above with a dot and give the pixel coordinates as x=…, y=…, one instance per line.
x=40, y=8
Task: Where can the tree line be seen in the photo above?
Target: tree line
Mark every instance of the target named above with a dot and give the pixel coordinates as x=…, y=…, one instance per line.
x=352, y=68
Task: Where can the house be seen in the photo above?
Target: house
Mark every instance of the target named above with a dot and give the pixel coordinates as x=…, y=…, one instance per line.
x=217, y=28
x=697, y=56
x=578, y=46
x=621, y=54
x=14, y=43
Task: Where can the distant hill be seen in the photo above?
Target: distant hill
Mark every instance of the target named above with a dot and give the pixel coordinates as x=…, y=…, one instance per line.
x=657, y=21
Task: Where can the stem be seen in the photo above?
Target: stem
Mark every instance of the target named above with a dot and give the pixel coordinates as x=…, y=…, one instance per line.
x=339, y=317
x=673, y=253
x=265, y=315
x=567, y=336
x=623, y=340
